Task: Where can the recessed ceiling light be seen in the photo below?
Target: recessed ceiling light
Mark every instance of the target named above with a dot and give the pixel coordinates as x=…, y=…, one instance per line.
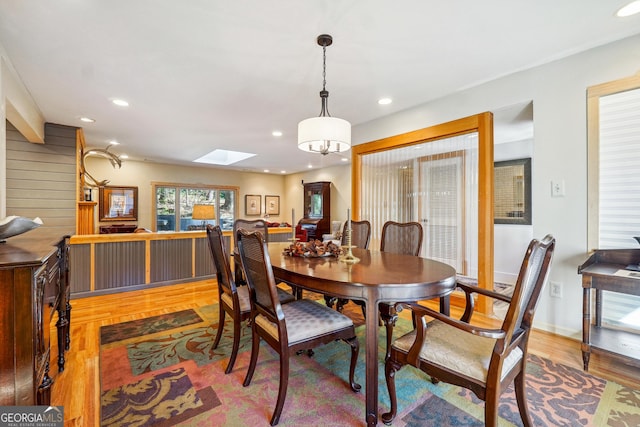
x=87, y=120
x=123, y=156
x=310, y=166
x=120, y=102
x=283, y=171
x=223, y=157
x=276, y=133
x=628, y=10
x=385, y=101
x=344, y=159
x=114, y=142
x=266, y=170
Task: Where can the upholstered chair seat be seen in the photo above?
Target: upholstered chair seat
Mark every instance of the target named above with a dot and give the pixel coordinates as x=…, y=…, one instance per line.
x=458, y=350
x=306, y=320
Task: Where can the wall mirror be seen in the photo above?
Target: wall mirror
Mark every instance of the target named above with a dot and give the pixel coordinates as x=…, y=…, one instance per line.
x=118, y=203
x=512, y=192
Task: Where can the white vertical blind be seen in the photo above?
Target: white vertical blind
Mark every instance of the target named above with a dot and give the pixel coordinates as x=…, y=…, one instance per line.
x=619, y=192
x=434, y=183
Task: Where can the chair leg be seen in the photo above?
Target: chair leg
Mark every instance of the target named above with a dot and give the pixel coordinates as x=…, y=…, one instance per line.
x=282, y=389
x=236, y=345
x=521, y=397
x=329, y=300
x=390, y=370
x=355, y=348
x=491, y=409
x=255, y=348
x=221, y=317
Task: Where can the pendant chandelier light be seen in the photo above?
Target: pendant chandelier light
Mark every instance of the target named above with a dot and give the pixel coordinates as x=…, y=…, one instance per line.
x=324, y=134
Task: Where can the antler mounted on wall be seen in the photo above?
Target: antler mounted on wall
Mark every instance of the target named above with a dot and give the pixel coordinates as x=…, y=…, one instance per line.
x=102, y=152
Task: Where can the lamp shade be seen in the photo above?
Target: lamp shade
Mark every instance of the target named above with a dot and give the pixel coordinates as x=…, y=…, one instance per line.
x=324, y=135
x=203, y=212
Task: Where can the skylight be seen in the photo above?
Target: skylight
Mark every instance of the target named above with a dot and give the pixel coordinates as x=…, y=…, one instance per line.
x=223, y=157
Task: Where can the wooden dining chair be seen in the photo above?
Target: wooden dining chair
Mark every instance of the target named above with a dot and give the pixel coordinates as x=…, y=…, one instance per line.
x=482, y=360
x=300, y=325
x=251, y=225
x=233, y=300
x=403, y=238
x=360, y=237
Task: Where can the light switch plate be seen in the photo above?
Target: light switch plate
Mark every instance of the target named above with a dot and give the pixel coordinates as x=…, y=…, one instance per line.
x=557, y=188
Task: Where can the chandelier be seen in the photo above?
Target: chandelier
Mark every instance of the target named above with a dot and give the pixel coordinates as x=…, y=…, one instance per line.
x=324, y=134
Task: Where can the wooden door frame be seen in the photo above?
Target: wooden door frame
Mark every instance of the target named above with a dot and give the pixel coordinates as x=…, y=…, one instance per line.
x=482, y=124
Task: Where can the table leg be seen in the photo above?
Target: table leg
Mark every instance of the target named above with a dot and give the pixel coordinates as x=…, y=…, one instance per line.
x=586, y=327
x=371, y=361
x=598, y=307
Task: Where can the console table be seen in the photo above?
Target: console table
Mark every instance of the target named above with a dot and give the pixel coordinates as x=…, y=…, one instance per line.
x=33, y=286
x=599, y=273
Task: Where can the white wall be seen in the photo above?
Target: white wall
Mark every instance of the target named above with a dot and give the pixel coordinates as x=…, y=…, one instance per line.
x=558, y=91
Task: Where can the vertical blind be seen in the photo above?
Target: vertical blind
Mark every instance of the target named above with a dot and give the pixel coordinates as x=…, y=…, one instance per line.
x=619, y=193
x=434, y=183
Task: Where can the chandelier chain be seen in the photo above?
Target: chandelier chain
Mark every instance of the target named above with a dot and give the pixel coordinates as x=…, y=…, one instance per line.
x=324, y=67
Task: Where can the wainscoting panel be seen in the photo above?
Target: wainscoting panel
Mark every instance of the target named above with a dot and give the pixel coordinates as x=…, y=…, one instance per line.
x=80, y=268
x=119, y=264
x=171, y=259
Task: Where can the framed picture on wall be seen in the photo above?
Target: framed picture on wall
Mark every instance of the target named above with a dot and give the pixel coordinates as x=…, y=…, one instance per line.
x=252, y=204
x=272, y=205
x=118, y=203
x=512, y=192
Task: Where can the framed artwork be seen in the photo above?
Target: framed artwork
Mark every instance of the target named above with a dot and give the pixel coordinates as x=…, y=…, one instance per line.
x=118, y=203
x=252, y=204
x=272, y=205
x=512, y=192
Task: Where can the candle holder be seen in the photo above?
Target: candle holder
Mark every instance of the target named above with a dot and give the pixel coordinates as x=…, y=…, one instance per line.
x=349, y=258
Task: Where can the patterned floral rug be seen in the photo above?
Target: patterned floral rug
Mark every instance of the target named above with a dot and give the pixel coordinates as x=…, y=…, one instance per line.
x=169, y=377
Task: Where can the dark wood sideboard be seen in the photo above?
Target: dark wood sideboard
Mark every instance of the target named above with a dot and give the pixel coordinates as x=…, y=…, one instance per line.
x=599, y=273
x=34, y=286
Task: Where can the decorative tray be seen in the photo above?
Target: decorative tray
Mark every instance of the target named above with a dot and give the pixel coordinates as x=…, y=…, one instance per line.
x=313, y=249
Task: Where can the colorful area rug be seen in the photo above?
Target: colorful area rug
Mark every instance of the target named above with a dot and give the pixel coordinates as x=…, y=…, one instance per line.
x=172, y=377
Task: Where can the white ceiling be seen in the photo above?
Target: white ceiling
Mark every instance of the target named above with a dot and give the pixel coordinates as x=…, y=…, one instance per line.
x=207, y=74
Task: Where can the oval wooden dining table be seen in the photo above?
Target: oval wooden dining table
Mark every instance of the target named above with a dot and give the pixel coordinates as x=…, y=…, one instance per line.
x=378, y=276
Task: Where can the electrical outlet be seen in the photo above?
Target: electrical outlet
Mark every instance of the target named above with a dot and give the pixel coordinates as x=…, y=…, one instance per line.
x=555, y=289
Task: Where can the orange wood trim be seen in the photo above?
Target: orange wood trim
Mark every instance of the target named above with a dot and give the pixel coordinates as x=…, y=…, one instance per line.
x=85, y=217
x=485, y=208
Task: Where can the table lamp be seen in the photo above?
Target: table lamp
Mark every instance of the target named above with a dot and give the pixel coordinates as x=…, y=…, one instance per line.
x=203, y=212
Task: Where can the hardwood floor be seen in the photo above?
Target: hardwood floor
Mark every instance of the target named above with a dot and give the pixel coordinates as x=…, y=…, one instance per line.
x=78, y=387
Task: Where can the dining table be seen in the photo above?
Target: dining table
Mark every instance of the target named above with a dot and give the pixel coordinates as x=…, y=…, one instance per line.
x=376, y=277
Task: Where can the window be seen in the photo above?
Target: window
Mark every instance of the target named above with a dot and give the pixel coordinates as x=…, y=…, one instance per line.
x=174, y=206
x=614, y=183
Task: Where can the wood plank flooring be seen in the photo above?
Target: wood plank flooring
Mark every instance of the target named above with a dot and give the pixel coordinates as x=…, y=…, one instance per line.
x=78, y=387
